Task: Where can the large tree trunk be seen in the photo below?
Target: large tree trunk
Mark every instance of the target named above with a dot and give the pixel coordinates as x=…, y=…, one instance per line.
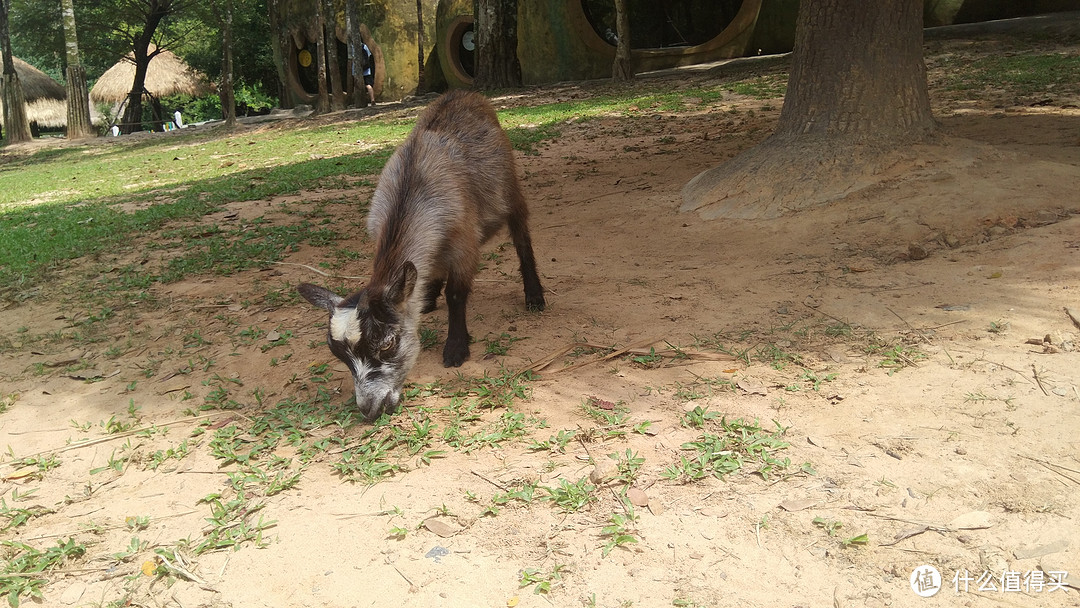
x=322, y=104
x=356, y=54
x=857, y=95
x=155, y=11
x=78, y=97
x=337, y=92
x=227, y=91
x=497, y=65
x=621, y=69
x=420, y=46
x=16, y=126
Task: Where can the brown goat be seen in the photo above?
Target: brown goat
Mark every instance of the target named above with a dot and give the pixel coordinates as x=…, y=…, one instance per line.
x=446, y=191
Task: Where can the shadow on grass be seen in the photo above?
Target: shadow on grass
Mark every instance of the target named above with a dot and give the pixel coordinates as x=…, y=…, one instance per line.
x=41, y=239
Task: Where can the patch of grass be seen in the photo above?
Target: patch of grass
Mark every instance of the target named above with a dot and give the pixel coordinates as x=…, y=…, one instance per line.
x=627, y=466
x=1022, y=74
x=832, y=528
x=18, y=516
x=543, y=582
x=429, y=337
x=571, y=496
x=764, y=87
x=697, y=417
x=896, y=357
x=231, y=523
x=739, y=444
x=554, y=443
x=499, y=345
x=619, y=532
x=24, y=572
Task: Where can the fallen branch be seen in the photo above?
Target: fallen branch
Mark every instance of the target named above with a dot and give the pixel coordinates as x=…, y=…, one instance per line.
x=1038, y=380
x=636, y=349
x=325, y=274
x=492, y=482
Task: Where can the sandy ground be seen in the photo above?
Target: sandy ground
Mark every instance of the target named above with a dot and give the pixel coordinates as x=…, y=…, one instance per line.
x=958, y=452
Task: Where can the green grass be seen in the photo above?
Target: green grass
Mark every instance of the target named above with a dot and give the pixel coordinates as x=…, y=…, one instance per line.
x=1024, y=74
x=66, y=203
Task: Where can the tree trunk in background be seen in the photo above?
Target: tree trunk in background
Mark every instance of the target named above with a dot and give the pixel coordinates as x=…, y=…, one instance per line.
x=497, y=65
x=227, y=90
x=337, y=91
x=78, y=97
x=322, y=104
x=622, y=70
x=856, y=97
x=16, y=126
x=356, y=53
x=420, y=46
x=156, y=10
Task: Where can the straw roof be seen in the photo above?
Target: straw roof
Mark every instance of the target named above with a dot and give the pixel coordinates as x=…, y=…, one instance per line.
x=37, y=84
x=52, y=113
x=166, y=75
x=44, y=96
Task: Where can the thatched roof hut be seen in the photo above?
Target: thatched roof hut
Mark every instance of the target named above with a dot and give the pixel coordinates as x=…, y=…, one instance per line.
x=166, y=75
x=44, y=96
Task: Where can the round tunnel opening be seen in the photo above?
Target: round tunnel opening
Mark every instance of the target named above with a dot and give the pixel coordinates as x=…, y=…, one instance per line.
x=658, y=25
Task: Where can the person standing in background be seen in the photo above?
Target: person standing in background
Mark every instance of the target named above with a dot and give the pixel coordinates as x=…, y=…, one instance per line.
x=369, y=73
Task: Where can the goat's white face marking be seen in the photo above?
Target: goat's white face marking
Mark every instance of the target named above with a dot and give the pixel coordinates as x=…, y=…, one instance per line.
x=345, y=326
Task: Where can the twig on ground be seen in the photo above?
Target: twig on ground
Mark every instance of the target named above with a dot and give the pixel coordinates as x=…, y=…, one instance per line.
x=1056, y=468
x=1038, y=380
x=411, y=584
x=910, y=326
x=636, y=348
x=325, y=274
x=492, y=482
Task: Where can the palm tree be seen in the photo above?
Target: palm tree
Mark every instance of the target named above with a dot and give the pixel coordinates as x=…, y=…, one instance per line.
x=78, y=99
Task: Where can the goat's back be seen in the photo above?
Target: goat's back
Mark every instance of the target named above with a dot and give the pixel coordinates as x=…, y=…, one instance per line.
x=447, y=189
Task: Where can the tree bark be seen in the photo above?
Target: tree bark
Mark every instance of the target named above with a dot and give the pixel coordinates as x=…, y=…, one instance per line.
x=621, y=69
x=155, y=11
x=497, y=65
x=857, y=97
x=420, y=46
x=16, y=126
x=337, y=92
x=356, y=54
x=322, y=104
x=78, y=97
x=227, y=90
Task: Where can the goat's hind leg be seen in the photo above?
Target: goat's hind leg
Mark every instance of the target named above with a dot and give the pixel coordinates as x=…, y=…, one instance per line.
x=518, y=223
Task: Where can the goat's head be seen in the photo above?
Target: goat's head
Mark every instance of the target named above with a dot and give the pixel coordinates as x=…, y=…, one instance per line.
x=374, y=333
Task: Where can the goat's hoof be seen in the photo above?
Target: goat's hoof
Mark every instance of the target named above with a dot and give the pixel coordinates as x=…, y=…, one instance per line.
x=454, y=357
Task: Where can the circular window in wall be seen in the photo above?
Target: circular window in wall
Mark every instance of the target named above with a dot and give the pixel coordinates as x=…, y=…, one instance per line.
x=461, y=42
x=658, y=25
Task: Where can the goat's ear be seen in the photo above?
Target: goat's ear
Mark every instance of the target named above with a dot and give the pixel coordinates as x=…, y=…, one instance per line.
x=321, y=297
x=403, y=286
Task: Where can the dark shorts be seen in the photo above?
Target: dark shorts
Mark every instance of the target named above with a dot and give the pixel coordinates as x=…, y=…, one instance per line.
x=369, y=80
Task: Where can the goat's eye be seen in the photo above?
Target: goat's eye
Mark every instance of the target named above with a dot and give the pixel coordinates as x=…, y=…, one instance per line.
x=388, y=343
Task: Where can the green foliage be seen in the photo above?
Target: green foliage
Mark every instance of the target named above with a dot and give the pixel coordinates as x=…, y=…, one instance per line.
x=571, y=496
x=739, y=443
x=543, y=581
x=22, y=574
x=619, y=532
x=105, y=26
x=1024, y=74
